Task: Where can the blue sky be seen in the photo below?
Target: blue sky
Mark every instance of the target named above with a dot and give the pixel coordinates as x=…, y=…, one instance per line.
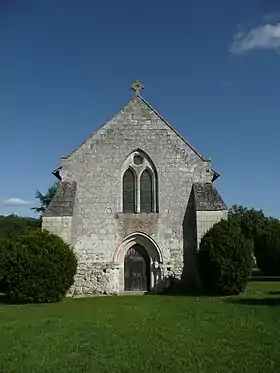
x=211, y=68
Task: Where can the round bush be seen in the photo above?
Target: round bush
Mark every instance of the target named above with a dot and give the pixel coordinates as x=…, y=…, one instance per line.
x=39, y=267
x=225, y=259
x=267, y=249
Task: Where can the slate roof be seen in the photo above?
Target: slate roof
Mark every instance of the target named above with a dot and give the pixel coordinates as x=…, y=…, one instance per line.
x=207, y=198
x=63, y=202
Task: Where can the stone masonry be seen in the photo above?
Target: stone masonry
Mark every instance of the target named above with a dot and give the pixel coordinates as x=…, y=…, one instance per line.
x=87, y=210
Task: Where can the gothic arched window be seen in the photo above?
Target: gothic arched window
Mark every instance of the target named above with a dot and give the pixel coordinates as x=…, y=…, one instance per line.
x=129, y=191
x=146, y=192
x=140, y=184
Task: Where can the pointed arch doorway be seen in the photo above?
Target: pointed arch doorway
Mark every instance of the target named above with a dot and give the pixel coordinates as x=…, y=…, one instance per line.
x=137, y=269
x=148, y=254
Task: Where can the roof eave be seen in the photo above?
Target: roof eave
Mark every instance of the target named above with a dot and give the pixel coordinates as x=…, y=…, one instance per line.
x=216, y=175
x=56, y=173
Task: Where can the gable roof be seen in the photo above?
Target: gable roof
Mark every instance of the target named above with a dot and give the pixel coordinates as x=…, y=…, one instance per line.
x=62, y=203
x=137, y=96
x=207, y=198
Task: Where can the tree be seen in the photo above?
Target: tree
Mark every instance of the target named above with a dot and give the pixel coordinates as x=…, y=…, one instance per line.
x=12, y=225
x=45, y=199
x=267, y=248
x=251, y=221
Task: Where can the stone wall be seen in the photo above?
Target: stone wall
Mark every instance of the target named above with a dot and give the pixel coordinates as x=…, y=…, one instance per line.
x=190, y=274
x=206, y=220
x=99, y=226
x=61, y=226
x=95, y=278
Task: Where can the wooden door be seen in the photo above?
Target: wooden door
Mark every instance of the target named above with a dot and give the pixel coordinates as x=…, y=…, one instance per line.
x=136, y=269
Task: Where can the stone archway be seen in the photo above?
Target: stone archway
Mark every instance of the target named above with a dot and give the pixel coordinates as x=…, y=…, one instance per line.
x=137, y=273
x=150, y=253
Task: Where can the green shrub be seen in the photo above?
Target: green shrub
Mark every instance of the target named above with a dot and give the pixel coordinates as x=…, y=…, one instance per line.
x=225, y=259
x=267, y=248
x=39, y=267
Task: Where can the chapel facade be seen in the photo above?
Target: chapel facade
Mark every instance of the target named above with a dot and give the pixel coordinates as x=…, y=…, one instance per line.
x=134, y=201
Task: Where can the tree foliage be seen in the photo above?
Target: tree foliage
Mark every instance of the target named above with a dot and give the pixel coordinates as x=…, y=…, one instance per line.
x=12, y=225
x=267, y=248
x=250, y=221
x=36, y=267
x=225, y=259
x=45, y=199
x=6, y=246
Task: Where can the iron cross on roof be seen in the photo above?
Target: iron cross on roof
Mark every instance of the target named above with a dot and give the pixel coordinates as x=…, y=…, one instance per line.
x=137, y=87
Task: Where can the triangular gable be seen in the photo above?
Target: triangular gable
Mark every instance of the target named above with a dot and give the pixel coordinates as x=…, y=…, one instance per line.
x=155, y=112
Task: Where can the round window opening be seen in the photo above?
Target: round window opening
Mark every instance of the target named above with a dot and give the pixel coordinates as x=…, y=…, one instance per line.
x=138, y=160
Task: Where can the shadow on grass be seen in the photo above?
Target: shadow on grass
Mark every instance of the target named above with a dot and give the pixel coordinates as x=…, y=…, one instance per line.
x=265, y=279
x=179, y=288
x=179, y=293
x=255, y=301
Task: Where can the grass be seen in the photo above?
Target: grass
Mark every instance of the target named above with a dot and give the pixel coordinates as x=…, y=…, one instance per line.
x=145, y=334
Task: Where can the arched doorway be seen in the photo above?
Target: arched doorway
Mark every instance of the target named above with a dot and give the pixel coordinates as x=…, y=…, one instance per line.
x=149, y=250
x=137, y=269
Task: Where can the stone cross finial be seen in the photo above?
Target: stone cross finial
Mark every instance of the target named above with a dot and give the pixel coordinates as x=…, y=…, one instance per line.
x=137, y=87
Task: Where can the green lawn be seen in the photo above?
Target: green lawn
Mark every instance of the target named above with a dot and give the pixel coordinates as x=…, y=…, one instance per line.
x=145, y=334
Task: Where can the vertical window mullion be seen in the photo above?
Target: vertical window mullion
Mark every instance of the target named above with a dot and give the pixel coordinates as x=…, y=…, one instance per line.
x=154, y=193
x=138, y=196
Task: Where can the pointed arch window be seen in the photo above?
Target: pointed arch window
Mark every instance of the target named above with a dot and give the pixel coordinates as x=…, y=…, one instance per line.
x=139, y=185
x=129, y=191
x=146, y=192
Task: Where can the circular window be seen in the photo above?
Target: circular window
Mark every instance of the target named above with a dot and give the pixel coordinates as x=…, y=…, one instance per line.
x=138, y=160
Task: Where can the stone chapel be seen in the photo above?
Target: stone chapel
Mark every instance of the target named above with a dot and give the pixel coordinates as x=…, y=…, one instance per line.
x=134, y=200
